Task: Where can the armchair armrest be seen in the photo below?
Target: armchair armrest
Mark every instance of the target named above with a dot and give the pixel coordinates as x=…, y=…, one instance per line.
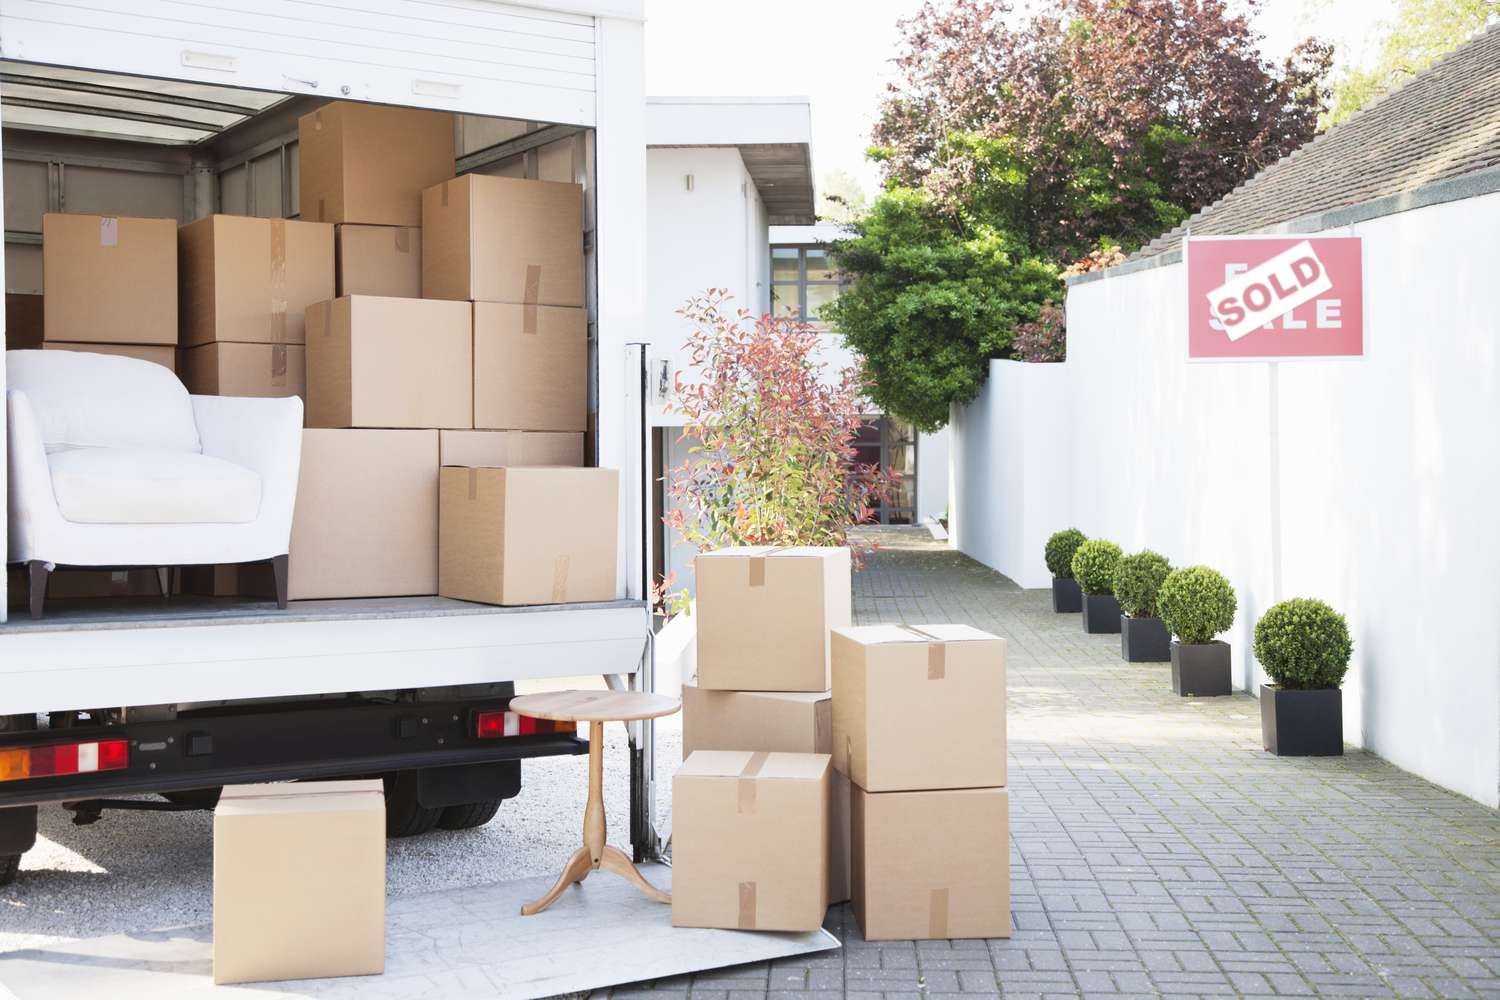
x=31, y=504
x=260, y=434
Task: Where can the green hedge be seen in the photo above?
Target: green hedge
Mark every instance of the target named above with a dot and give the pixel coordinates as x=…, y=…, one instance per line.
x=1094, y=565
x=1196, y=604
x=1060, y=549
x=1137, y=579
x=1303, y=644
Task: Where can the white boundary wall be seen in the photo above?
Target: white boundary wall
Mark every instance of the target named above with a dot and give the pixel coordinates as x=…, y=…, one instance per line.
x=1382, y=501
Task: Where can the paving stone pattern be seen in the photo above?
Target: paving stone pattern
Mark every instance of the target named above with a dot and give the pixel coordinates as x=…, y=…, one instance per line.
x=1157, y=851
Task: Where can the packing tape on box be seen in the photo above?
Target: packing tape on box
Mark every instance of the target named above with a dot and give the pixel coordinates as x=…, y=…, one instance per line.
x=745, y=786
x=747, y=906
x=758, y=565
x=278, y=364
x=937, y=913
x=403, y=240
x=109, y=231
x=444, y=193
x=473, y=484
x=278, y=281
x=560, y=567
x=530, y=296
x=937, y=657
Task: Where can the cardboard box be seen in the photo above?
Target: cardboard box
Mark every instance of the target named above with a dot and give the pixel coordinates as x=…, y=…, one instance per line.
x=365, y=523
x=249, y=281
x=890, y=681
x=528, y=535
x=530, y=367
x=23, y=321
x=379, y=362
x=299, y=881
x=774, y=721
x=379, y=260
x=254, y=580
x=748, y=835
x=109, y=279
x=503, y=239
x=156, y=353
x=764, y=614
x=497, y=449
x=931, y=864
x=370, y=163
x=246, y=370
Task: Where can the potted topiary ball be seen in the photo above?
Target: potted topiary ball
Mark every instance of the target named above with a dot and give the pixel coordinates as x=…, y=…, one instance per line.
x=1304, y=647
x=1143, y=637
x=1094, y=569
x=1197, y=604
x=1066, y=597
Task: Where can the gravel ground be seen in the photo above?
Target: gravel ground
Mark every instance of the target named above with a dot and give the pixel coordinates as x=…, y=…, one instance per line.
x=134, y=871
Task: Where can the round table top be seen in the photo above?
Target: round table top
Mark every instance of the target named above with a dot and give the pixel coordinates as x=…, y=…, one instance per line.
x=594, y=706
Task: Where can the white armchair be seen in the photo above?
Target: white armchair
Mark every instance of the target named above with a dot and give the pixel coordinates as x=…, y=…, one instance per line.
x=113, y=464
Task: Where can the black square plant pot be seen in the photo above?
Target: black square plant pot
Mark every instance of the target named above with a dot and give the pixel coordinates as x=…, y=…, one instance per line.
x=1302, y=723
x=1067, y=596
x=1200, y=669
x=1101, y=614
x=1144, y=640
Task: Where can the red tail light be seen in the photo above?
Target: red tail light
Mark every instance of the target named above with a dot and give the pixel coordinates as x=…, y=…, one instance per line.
x=58, y=759
x=499, y=723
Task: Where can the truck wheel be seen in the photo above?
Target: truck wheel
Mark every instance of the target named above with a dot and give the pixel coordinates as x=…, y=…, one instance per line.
x=9, y=865
x=404, y=815
x=467, y=817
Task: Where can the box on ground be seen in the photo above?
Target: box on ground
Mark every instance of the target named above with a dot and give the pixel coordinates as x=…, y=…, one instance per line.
x=299, y=881
x=932, y=864
x=748, y=836
x=156, y=353
x=774, y=721
x=249, y=281
x=528, y=535
x=225, y=369
x=370, y=163
x=109, y=279
x=365, y=524
x=383, y=362
x=890, y=681
x=503, y=239
x=764, y=615
x=23, y=321
x=530, y=367
x=497, y=449
x=379, y=260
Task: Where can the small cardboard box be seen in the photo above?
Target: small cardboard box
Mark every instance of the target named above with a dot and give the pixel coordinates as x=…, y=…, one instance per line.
x=245, y=370
x=230, y=580
x=932, y=864
x=890, y=681
x=109, y=279
x=748, y=836
x=528, y=535
x=23, y=321
x=365, y=524
x=379, y=260
x=299, y=881
x=249, y=281
x=380, y=362
x=370, y=163
x=530, y=367
x=498, y=449
x=774, y=721
x=503, y=239
x=764, y=615
x=155, y=353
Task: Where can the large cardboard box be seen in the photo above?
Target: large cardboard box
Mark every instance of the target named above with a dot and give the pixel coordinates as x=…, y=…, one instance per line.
x=381, y=362
x=370, y=163
x=497, y=449
x=23, y=321
x=748, y=835
x=530, y=367
x=764, y=615
x=528, y=535
x=503, y=239
x=379, y=260
x=893, y=681
x=365, y=523
x=249, y=281
x=931, y=864
x=299, y=881
x=246, y=370
x=155, y=353
x=774, y=721
x=109, y=279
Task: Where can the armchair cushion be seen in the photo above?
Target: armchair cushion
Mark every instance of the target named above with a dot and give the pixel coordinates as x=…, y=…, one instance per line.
x=104, y=401
x=151, y=486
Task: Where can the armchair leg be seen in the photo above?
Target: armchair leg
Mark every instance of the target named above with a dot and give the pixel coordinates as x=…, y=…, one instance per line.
x=164, y=581
x=38, y=570
x=279, y=569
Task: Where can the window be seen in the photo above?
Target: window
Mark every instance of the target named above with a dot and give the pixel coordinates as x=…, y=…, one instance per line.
x=803, y=280
x=888, y=442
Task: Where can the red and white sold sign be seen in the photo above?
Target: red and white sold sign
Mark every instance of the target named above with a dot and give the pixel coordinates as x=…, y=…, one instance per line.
x=1275, y=297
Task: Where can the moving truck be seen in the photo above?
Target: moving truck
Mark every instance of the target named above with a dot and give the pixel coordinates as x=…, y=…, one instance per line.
x=135, y=110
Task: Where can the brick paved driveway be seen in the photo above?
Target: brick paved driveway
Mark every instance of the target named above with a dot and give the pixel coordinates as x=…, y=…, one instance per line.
x=1156, y=850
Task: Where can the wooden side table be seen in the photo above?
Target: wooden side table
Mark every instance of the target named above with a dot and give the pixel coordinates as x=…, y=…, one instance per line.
x=596, y=708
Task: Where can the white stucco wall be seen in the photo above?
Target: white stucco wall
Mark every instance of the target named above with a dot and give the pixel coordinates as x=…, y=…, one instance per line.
x=932, y=473
x=1381, y=500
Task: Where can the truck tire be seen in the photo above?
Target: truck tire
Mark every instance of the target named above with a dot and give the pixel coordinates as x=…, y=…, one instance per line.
x=468, y=817
x=9, y=865
x=404, y=815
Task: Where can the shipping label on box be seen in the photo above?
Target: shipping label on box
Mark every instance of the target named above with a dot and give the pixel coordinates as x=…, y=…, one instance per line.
x=109, y=280
x=498, y=449
x=764, y=615
x=379, y=260
x=245, y=370
x=158, y=354
x=893, y=681
x=748, y=841
x=370, y=163
x=249, y=281
x=530, y=367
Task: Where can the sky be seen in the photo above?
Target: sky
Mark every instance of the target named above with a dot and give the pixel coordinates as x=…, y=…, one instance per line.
x=838, y=52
